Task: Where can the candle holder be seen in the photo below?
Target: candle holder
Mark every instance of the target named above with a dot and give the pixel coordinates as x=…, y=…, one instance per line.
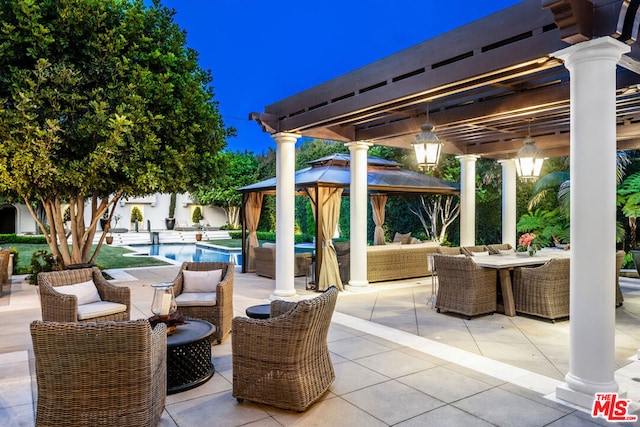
x=164, y=302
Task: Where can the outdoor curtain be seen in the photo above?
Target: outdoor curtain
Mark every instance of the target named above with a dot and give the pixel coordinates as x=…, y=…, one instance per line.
x=378, y=202
x=329, y=201
x=252, y=217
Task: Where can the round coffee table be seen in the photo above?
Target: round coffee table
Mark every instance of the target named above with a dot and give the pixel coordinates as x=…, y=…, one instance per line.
x=262, y=311
x=189, y=356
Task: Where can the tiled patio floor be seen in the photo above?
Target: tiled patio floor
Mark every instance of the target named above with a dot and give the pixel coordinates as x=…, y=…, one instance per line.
x=397, y=362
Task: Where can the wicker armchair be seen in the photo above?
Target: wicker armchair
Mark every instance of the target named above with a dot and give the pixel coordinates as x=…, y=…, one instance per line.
x=543, y=291
x=284, y=361
x=449, y=250
x=464, y=287
x=266, y=262
x=218, y=311
x=100, y=374
x=469, y=250
x=619, y=260
x=60, y=307
x=495, y=249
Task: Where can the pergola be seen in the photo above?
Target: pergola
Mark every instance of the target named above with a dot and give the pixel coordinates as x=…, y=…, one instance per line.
x=568, y=69
x=384, y=178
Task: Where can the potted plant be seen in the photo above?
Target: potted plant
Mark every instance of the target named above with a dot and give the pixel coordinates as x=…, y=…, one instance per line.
x=170, y=221
x=196, y=217
x=103, y=221
x=136, y=217
x=109, y=238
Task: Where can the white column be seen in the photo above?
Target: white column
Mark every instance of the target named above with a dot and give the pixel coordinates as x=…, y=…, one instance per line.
x=285, y=214
x=592, y=65
x=468, y=199
x=508, y=201
x=358, y=214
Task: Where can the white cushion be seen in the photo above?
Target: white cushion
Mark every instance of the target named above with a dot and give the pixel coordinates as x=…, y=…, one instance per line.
x=200, y=281
x=86, y=292
x=98, y=309
x=196, y=299
x=506, y=252
x=485, y=253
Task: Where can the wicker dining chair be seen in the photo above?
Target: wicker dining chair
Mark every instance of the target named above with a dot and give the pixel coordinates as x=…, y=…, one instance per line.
x=284, y=361
x=619, y=260
x=99, y=374
x=56, y=306
x=464, y=287
x=496, y=248
x=218, y=309
x=543, y=291
x=469, y=250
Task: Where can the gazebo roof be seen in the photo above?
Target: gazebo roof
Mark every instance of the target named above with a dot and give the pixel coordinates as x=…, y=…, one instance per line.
x=383, y=176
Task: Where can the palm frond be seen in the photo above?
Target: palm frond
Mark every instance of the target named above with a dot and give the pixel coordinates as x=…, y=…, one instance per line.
x=551, y=181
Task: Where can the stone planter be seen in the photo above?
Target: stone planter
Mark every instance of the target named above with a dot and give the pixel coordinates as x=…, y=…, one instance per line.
x=170, y=223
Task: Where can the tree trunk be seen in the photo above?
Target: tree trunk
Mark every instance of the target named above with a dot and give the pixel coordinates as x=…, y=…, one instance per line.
x=78, y=249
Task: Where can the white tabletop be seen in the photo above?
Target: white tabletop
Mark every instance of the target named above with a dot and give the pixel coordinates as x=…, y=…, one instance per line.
x=513, y=260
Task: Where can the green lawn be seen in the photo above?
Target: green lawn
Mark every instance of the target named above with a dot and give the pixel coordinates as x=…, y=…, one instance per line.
x=109, y=256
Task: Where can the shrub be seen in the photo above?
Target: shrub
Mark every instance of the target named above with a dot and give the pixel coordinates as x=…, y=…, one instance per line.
x=197, y=216
x=48, y=263
x=270, y=236
x=136, y=215
x=13, y=238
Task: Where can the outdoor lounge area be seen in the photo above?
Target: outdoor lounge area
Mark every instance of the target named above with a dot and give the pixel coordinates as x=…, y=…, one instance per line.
x=396, y=360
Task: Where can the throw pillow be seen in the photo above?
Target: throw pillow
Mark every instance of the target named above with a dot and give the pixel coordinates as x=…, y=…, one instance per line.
x=402, y=238
x=200, y=281
x=86, y=292
x=485, y=253
x=506, y=251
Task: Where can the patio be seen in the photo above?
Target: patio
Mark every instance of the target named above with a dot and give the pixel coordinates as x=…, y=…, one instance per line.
x=397, y=361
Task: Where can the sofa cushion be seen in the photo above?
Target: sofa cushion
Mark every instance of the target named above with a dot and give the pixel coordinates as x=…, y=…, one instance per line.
x=86, y=292
x=196, y=299
x=402, y=238
x=99, y=309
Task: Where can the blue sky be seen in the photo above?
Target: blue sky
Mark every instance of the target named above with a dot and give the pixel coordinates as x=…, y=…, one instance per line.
x=262, y=51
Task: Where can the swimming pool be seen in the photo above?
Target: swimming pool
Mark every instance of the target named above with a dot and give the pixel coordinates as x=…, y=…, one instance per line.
x=190, y=252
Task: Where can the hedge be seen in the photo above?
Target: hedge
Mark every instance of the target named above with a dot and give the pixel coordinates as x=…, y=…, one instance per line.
x=271, y=236
x=13, y=238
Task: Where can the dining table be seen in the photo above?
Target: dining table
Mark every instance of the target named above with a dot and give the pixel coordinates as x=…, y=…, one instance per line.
x=506, y=262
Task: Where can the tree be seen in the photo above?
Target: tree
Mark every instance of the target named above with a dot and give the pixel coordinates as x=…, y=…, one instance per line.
x=436, y=213
x=238, y=169
x=100, y=100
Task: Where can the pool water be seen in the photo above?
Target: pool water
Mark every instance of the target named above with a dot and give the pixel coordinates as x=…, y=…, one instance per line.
x=190, y=252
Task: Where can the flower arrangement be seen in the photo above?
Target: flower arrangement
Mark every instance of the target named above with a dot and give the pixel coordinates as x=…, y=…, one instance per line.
x=525, y=241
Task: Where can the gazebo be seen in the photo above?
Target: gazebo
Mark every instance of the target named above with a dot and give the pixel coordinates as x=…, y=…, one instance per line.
x=324, y=182
x=565, y=72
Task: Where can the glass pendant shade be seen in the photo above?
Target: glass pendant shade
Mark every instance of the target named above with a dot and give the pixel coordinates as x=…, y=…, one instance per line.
x=427, y=147
x=529, y=160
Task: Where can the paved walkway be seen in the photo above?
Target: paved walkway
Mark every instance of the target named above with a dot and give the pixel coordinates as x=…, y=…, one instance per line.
x=397, y=362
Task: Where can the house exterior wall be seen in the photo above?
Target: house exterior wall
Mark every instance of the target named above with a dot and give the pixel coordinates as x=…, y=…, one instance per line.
x=154, y=208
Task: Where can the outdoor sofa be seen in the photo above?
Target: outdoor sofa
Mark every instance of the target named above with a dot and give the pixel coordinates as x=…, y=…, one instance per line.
x=393, y=261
